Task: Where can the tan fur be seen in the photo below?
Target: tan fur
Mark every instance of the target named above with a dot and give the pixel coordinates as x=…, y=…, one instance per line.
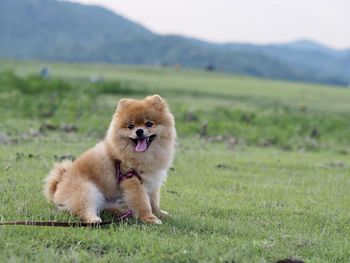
x=55, y=177
x=88, y=185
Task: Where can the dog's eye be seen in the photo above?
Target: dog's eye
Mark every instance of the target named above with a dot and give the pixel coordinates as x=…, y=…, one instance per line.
x=149, y=124
x=131, y=126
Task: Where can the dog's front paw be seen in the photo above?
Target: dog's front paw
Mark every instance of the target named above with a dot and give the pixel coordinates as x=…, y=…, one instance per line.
x=93, y=220
x=163, y=214
x=150, y=219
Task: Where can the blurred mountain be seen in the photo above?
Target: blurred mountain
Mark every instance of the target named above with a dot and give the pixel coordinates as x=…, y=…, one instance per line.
x=65, y=31
x=307, y=60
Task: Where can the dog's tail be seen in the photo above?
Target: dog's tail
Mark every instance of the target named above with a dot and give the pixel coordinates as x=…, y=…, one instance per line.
x=54, y=178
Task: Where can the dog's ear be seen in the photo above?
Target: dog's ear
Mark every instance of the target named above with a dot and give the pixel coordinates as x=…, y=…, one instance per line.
x=155, y=98
x=123, y=103
x=157, y=102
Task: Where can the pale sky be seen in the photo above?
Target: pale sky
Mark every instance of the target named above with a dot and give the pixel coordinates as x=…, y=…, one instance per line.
x=252, y=21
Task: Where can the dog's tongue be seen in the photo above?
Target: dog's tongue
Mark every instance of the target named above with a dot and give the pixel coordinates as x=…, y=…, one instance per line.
x=141, y=145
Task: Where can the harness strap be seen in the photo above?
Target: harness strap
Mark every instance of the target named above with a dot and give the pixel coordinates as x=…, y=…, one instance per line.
x=121, y=177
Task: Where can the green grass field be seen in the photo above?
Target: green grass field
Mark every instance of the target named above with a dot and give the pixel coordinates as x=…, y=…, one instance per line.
x=268, y=178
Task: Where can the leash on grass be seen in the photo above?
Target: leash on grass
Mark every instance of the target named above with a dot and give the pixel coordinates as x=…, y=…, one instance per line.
x=67, y=224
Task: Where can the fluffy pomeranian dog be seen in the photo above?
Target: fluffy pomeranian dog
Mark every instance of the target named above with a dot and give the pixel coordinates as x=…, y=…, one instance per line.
x=140, y=144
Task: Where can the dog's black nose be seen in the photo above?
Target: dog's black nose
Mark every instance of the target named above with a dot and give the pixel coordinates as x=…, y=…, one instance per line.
x=139, y=132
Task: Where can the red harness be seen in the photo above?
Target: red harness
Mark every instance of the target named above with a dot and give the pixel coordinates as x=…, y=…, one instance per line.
x=121, y=177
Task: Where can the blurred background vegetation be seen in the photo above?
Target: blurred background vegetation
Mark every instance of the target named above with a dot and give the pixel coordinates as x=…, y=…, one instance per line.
x=213, y=106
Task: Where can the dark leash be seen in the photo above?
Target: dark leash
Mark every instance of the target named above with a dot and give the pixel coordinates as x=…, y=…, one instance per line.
x=119, y=176
x=53, y=223
x=68, y=224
